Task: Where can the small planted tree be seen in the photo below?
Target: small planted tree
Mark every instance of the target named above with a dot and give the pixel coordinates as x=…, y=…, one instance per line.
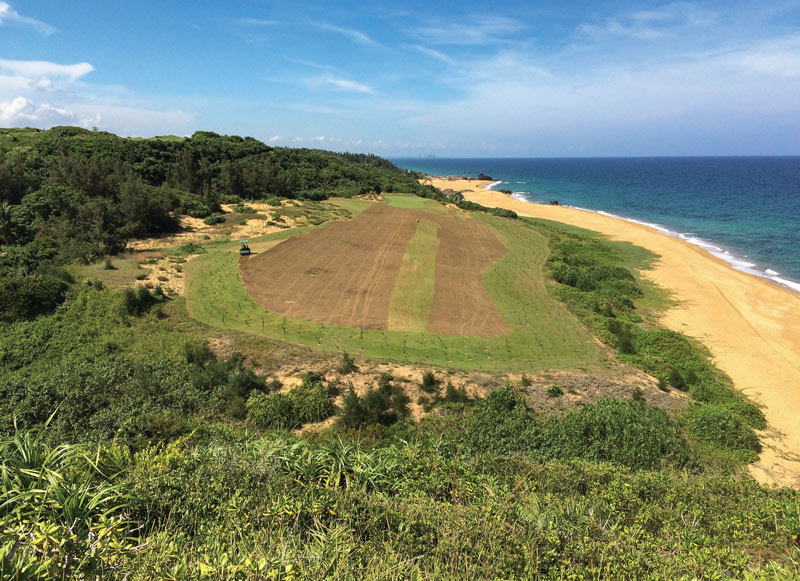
x=346, y=364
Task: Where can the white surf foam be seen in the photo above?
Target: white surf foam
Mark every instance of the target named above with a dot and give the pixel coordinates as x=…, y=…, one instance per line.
x=737, y=262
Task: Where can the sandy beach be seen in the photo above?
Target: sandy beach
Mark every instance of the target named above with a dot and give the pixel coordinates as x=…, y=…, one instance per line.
x=751, y=326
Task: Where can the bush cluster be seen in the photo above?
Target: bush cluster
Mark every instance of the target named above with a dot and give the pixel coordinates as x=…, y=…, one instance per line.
x=25, y=297
x=309, y=402
x=602, y=294
x=383, y=405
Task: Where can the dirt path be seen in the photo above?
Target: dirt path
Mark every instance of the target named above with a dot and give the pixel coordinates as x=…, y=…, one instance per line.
x=751, y=326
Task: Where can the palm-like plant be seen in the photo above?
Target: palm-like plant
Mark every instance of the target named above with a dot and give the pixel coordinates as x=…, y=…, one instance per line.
x=58, y=511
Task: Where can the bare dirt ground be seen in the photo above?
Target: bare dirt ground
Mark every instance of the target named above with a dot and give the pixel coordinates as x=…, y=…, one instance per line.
x=344, y=273
x=461, y=304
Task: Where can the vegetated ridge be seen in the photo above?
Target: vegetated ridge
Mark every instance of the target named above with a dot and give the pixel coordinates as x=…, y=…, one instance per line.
x=139, y=441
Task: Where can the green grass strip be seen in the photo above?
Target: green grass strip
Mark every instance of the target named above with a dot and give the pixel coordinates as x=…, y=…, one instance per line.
x=413, y=289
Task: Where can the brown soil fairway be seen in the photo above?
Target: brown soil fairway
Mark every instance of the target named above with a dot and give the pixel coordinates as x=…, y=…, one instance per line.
x=344, y=273
x=461, y=304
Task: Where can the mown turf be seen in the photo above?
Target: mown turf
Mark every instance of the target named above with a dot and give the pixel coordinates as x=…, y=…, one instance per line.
x=545, y=335
x=414, y=286
x=408, y=202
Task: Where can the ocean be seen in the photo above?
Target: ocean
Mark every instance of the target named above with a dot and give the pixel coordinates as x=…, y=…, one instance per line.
x=745, y=210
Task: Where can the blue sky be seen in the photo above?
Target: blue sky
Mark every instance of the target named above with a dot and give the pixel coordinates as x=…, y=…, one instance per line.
x=526, y=79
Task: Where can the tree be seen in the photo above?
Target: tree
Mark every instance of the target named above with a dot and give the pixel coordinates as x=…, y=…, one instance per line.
x=5, y=222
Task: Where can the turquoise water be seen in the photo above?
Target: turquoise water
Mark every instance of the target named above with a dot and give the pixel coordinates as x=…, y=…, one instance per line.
x=743, y=209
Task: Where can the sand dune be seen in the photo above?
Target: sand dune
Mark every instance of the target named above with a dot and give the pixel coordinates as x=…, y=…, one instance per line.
x=751, y=326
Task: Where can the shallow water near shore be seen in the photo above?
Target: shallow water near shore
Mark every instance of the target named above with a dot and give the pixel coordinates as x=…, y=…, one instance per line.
x=745, y=210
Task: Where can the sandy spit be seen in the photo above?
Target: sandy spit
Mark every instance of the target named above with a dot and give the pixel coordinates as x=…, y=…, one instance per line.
x=751, y=326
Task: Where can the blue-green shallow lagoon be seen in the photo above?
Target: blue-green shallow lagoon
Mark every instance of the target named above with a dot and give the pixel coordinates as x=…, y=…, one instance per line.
x=743, y=209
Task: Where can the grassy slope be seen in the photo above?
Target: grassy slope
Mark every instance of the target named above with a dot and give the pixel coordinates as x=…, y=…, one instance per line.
x=545, y=334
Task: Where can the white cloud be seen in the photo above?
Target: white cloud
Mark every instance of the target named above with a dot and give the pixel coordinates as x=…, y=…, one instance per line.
x=779, y=58
x=486, y=30
x=648, y=25
x=11, y=16
x=255, y=22
x=697, y=100
x=275, y=138
x=22, y=111
x=355, y=35
x=347, y=85
x=440, y=56
x=71, y=101
x=45, y=69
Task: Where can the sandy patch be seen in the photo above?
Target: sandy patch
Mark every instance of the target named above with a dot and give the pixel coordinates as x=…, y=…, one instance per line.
x=752, y=327
x=197, y=231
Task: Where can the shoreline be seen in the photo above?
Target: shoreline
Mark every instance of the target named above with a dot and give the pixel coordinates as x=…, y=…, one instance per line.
x=736, y=261
x=751, y=325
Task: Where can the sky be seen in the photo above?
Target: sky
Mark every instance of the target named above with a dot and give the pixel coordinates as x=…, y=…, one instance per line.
x=447, y=78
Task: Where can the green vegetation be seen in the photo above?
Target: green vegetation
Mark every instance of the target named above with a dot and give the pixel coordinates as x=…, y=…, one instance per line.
x=70, y=194
x=130, y=449
x=604, y=294
x=178, y=472
x=384, y=405
x=413, y=501
x=347, y=364
x=309, y=402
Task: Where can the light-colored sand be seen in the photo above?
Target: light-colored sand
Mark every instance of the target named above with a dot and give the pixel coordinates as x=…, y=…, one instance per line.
x=751, y=326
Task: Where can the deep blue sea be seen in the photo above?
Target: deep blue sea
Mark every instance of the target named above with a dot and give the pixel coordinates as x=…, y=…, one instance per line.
x=743, y=209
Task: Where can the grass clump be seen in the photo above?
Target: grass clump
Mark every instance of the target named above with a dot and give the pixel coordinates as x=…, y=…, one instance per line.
x=555, y=390
x=346, y=364
x=186, y=249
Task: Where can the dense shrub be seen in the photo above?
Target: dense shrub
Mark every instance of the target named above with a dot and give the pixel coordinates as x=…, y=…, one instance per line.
x=214, y=219
x=309, y=402
x=242, y=208
x=502, y=423
x=430, y=384
x=384, y=405
x=503, y=213
x=273, y=411
x=719, y=425
x=138, y=301
x=631, y=433
x=25, y=297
